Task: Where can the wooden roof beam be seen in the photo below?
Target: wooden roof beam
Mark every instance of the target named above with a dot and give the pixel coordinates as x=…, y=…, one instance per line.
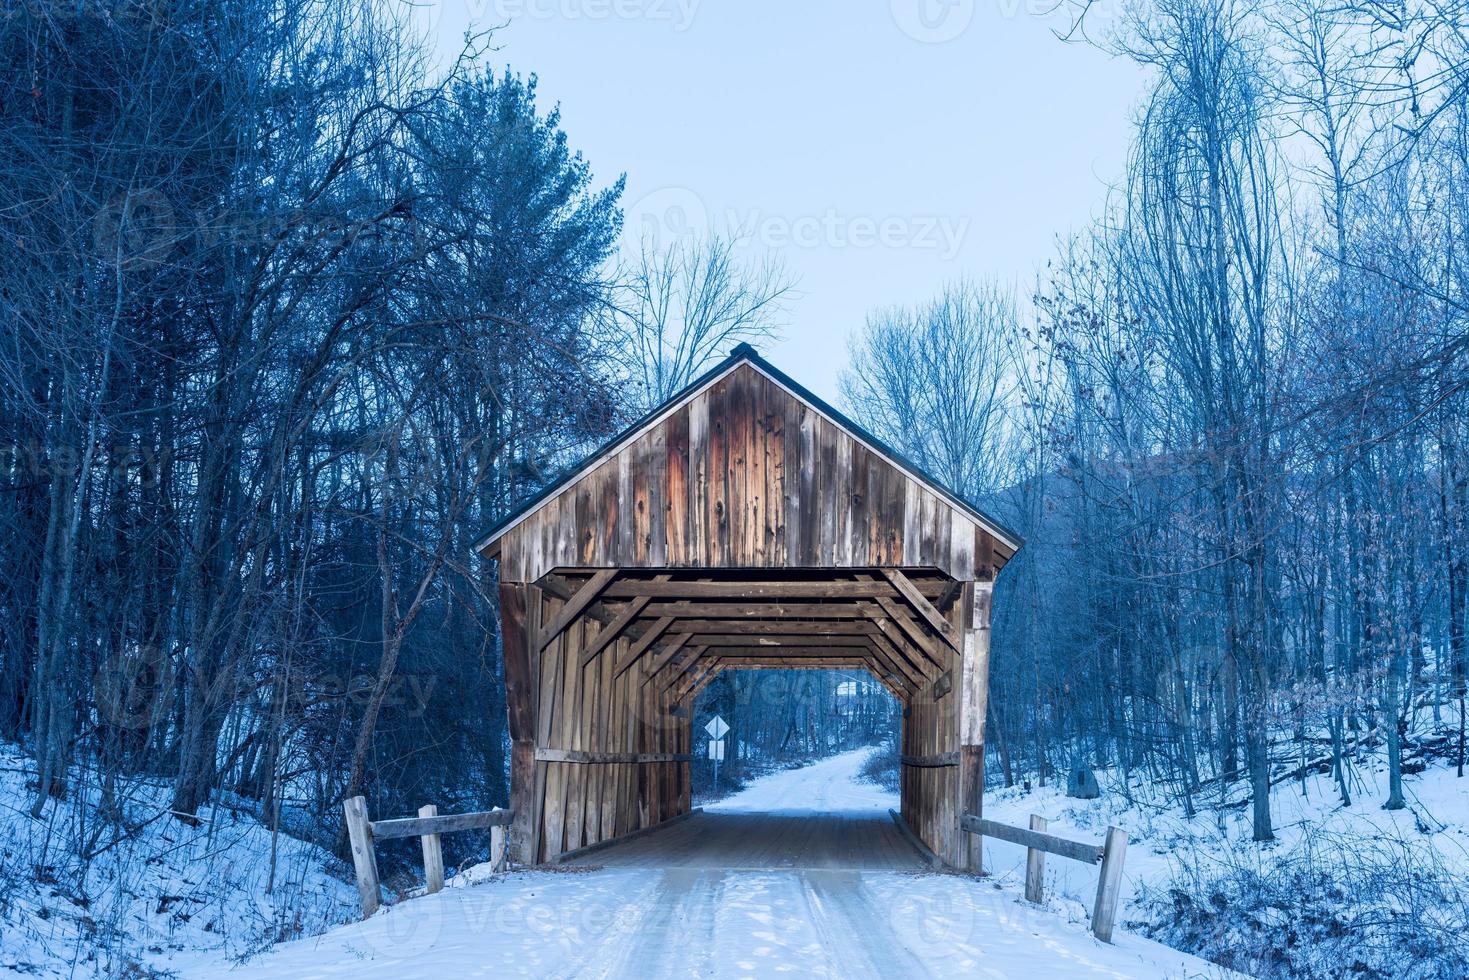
x=897, y=660
x=895, y=613
x=559, y=587
x=691, y=683
x=777, y=642
x=641, y=646
x=678, y=650
x=919, y=602
x=754, y=610
x=580, y=599
x=774, y=627
x=682, y=668
x=901, y=645
x=702, y=683
x=766, y=591
x=613, y=629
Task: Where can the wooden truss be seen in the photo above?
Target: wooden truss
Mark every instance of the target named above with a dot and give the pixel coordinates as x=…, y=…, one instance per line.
x=893, y=623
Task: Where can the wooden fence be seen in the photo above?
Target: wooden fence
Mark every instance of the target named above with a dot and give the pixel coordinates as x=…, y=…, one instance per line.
x=1109, y=854
x=428, y=826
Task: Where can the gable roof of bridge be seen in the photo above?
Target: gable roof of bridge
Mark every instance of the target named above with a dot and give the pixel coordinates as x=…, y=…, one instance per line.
x=745, y=355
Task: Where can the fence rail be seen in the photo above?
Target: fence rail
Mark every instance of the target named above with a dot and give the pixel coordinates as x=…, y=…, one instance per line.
x=1109, y=854
x=428, y=825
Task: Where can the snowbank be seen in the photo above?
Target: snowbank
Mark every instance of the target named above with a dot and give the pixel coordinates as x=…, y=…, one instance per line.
x=83, y=897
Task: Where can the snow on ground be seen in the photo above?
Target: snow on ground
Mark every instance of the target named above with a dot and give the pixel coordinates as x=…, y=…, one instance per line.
x=135, y=899
x=193, y=901
x=1437, y=816
x=689, y=923
x=650, y=923
x=831, y=785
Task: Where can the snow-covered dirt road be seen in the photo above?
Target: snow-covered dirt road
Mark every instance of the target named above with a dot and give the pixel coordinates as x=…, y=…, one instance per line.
x=829, y=786
x=815, y=818
x=663, y=922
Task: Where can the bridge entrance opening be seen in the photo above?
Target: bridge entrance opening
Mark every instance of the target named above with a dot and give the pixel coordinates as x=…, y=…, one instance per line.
x=808, y=779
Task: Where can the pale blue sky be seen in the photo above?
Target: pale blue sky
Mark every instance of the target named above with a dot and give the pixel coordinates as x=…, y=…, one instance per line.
x=882, y=147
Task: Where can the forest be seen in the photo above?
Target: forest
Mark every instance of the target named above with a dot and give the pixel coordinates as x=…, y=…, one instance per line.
x=291, y=315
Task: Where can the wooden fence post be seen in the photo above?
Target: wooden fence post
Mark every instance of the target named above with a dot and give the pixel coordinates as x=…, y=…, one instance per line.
x=364, y=860
x=1035, y=865
x=433, y=853
x=1109, y=884
x=497, y=848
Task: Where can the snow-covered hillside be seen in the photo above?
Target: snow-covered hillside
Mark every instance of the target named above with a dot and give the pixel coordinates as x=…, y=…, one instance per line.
x=83, y=897
x=1341, y=890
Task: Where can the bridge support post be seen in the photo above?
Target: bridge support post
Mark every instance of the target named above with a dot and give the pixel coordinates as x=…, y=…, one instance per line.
x=520, y=707
x=973, y=702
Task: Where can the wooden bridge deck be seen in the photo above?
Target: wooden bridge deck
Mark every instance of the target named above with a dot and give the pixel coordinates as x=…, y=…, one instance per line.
x=767, y=841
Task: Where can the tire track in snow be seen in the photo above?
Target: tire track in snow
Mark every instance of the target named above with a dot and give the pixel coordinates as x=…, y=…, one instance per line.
x=609, y=952
x=860, y=941
x=658, y=939
x=679, y=940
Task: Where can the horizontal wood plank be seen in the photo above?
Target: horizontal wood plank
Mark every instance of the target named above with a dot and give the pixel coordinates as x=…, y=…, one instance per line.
x=446, y=824
x=939, y=761
x=1050, y=843
x=578, y=757
x=737, y=590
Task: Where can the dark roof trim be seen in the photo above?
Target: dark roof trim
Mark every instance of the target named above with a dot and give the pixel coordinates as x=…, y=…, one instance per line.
x=742, y=354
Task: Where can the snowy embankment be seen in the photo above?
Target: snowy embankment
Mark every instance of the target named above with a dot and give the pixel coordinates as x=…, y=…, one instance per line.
x=1437, y=816
x=1342, y=890
x=649, y=923
x=83, y=897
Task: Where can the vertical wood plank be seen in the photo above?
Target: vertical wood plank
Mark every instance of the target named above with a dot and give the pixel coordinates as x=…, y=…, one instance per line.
x=699, y=480
x=716, y=528
x=364, y=860
x=498, y=849
x=841, y=500
x=433, y=854
x=974, y=676
x=1109, y=884
x=1035, y=865
x=521, y=698
x=676, y=494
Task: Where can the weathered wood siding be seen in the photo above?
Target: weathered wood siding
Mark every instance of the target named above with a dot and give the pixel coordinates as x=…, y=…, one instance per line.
x=930, y=737
x=746, y=475
x=571, y=805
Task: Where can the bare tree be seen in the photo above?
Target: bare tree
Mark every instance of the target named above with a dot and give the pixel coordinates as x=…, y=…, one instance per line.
x=691, y=302
x=936, y=381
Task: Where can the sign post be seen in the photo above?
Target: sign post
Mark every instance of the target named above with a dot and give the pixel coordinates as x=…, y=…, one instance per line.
x=717, y=729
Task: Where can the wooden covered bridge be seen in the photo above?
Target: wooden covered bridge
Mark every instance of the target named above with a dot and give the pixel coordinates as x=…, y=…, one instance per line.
x=742, y=524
